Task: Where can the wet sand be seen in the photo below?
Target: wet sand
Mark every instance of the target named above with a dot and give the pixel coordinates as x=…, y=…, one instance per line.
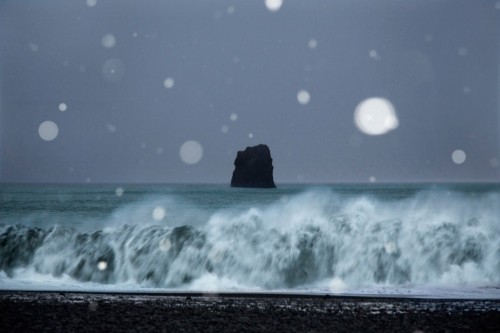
x=105, y=312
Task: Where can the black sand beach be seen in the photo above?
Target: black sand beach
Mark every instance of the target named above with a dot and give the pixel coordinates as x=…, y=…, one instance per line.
x=93, y=312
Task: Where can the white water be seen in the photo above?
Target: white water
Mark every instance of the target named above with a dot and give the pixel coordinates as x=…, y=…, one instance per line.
x=434, y=243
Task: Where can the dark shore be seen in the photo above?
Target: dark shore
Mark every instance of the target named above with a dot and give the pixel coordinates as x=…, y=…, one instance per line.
x=94, y=312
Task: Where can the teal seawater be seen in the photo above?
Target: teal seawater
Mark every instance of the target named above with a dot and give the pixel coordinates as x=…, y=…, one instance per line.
x=18, y=201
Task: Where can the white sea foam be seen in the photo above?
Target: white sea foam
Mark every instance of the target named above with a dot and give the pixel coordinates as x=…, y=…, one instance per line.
x=436, y=241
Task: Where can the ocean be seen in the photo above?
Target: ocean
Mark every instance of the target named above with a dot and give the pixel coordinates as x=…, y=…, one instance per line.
x=429, y=240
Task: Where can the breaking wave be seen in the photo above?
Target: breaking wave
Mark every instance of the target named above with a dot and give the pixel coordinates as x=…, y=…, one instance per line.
x=316, y=239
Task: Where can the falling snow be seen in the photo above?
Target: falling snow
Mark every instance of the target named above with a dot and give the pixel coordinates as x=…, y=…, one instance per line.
x=120, y=86
x=463, y=51
x=159, y=213
x=169, y=83
x=374, y=54
x=375, y=116
x=111, y=128
x=303, y=97
x=458, y=156
x=102, y=265
x=274, y=5
x=312, y=43
x=191, y=152
x=48, y=130
x=34, y=47
x=113, y=70
x=108, y=41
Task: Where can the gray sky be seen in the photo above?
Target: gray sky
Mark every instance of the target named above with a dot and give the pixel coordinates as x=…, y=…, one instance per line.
x=235, y=70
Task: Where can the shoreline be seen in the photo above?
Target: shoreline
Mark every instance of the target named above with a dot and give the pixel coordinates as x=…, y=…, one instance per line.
x=254, y=294
x=165, y=312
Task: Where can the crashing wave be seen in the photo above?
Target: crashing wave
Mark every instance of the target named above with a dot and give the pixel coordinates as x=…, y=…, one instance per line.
x=316, y=238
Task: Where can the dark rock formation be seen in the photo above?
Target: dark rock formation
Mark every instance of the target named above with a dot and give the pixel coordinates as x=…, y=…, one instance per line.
x=253, y=167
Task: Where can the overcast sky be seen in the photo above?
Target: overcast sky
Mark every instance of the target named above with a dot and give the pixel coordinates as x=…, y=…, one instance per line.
x=168, y=91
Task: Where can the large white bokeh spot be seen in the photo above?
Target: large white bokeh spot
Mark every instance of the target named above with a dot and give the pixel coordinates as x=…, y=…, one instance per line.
x=191, y=152
x=375, y=116
x=48, y=130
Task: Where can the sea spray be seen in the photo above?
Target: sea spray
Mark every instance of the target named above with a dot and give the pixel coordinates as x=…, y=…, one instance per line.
x=317, y=240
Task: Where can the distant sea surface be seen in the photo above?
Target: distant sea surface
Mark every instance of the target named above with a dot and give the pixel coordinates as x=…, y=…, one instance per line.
x=398, y=239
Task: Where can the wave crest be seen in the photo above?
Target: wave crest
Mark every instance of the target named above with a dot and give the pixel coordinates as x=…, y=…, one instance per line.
x=316, y=239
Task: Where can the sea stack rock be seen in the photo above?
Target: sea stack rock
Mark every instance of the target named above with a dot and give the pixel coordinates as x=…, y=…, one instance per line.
x=253, y=167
